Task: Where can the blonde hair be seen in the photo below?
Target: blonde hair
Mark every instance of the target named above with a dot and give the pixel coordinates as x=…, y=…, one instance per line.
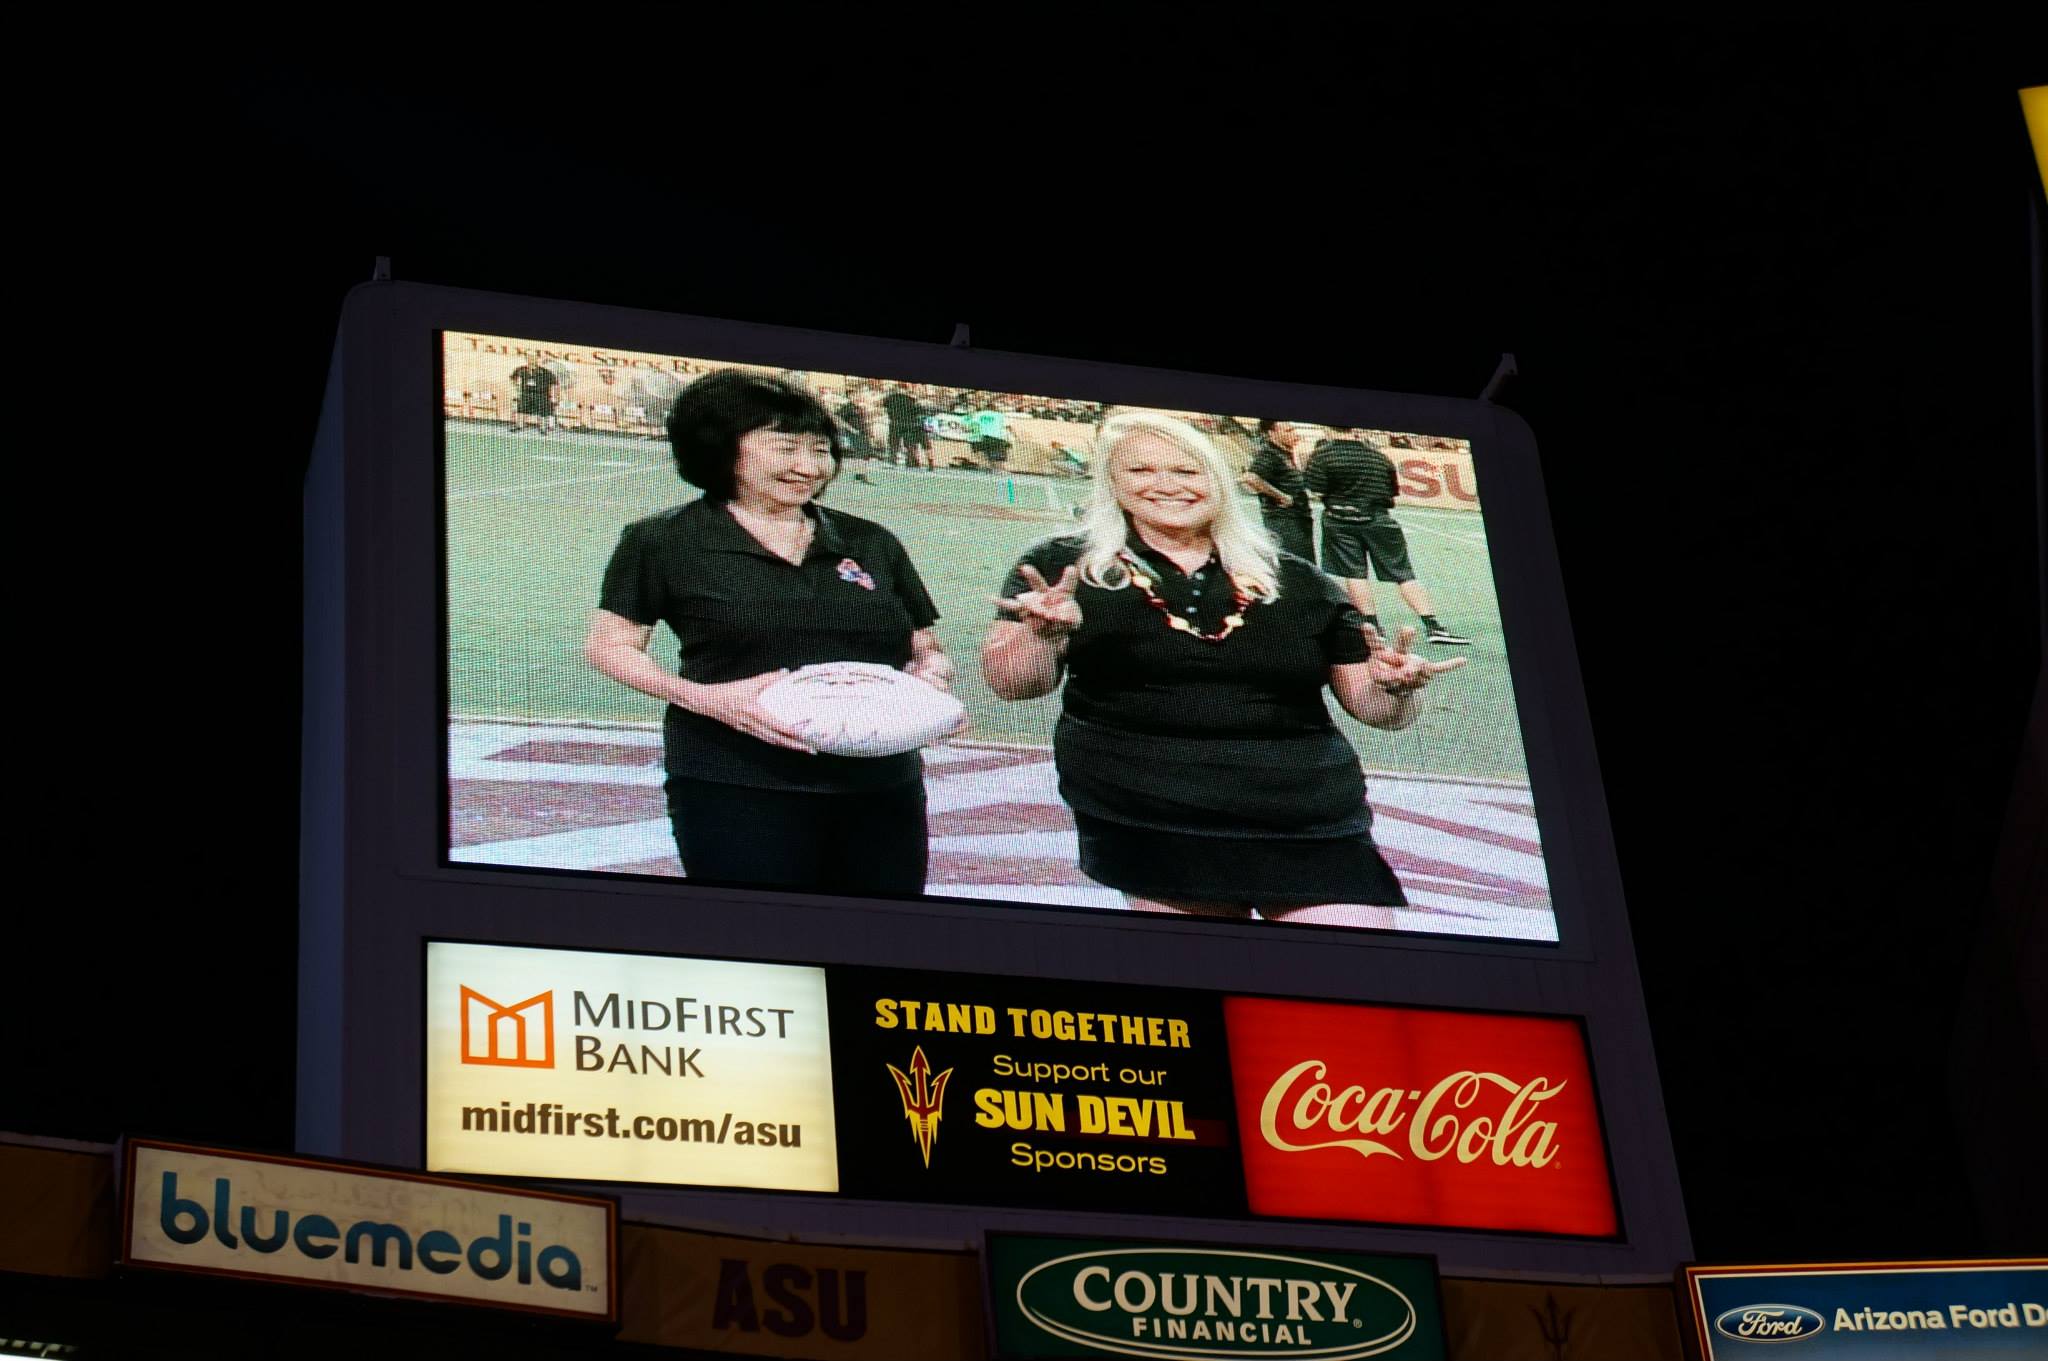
x=1245, y=549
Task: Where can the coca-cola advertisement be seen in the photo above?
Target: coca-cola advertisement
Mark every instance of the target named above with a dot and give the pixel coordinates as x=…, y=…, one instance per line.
x=1402, y=1115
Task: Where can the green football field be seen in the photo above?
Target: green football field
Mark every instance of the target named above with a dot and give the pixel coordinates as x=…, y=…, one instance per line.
x=531, y=522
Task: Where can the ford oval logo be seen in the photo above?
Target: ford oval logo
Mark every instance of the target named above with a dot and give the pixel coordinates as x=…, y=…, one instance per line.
x=1769, y=1323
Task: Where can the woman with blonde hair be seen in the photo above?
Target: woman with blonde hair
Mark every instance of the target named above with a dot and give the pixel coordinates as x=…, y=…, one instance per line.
x=1194, y=746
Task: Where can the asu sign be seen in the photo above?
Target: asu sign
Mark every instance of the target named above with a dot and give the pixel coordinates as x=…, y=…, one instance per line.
x=1407, y=1116
x=320, y=1223
x=733, y=1296
x=628, y=1068
x=924, y=1099
x=1074, y=1297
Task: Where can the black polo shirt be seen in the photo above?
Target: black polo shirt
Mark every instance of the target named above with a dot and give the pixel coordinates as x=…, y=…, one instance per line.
x=1271, y=465
x=534, y=381
x=1127, y=668
x=1352, y=476
x=902, y=409
x=739, y=610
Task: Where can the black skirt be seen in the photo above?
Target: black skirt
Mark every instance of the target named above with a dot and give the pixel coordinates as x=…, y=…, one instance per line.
x=1248, y=871
x=1274, y=821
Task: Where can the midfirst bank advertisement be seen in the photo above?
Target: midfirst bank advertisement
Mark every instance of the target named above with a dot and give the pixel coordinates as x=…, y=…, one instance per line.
x=633, y=1068
x=1872, y=1311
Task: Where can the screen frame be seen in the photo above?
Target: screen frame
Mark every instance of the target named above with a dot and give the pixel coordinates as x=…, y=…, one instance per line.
x=375, y=883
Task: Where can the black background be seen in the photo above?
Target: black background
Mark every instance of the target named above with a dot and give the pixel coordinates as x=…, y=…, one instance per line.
x=971, y=1165
x=1767, y=284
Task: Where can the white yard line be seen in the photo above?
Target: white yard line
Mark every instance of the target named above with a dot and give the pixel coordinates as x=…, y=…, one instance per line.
x=1034, y=783
x=1468, y=540
x=1453, y=850
x=947, y=754
x=1492, y=782
x=557, y=482
x=571, y=458
x=1060, y=895
x=1040, y=845
x=508, y=732
x=566, y=726
x=591, y=848
x=1510, y=923
x=556, y=772
x=1429, y=801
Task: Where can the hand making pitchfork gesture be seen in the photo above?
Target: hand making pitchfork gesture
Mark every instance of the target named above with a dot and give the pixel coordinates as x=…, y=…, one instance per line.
x=1395, y=669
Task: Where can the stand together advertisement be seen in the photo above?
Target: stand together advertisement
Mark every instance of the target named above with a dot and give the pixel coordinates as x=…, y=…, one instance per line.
x=974, y=1090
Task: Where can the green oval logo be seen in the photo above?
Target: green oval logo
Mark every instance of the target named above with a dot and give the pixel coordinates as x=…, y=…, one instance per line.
x=1215, y=1303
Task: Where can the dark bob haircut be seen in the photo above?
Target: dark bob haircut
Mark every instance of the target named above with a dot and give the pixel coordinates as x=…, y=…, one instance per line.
x=706, y=423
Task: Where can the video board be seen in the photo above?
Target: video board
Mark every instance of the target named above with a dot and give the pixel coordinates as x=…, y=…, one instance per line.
x=1219, y=737
x=487, y=765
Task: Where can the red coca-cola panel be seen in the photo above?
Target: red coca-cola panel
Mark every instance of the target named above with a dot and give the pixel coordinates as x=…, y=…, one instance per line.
x=1403, y=1116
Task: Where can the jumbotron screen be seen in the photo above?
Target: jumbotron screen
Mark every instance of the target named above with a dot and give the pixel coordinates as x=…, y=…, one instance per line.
x=856, y=634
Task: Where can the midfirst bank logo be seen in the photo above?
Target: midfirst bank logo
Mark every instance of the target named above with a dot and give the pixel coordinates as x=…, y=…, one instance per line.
x=496, y=1034
x=518, y=1036
x=924, y=1099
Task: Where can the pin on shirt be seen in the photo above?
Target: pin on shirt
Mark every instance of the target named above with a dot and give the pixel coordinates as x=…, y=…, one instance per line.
x=849, y=570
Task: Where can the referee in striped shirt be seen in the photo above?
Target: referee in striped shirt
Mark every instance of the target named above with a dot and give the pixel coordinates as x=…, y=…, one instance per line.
x=1361, y=539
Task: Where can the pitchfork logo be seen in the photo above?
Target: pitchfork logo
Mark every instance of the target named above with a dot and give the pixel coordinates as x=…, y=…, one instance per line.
x=503, y=1037
x=923, y=1097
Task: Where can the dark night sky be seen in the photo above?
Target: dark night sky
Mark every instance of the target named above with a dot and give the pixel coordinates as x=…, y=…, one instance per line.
x=1769, y=293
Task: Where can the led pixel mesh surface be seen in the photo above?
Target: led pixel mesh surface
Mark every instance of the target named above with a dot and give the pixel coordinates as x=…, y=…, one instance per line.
x=551, y=450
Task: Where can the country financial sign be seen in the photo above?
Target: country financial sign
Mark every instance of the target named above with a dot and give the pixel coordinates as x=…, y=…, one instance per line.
x=1402, y=1115
x=331, y=1224
x=1077, y=1297
x=628, y=1068
x=1013, y=1091
x=1955, y=1311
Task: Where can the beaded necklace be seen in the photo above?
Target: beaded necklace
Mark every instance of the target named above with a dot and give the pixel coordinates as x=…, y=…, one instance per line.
x=1141, y=578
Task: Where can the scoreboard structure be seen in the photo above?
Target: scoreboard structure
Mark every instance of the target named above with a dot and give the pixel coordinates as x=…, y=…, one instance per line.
x=507, y=970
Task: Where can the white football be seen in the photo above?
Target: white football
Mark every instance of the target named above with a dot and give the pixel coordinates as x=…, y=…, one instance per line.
x=861, y=708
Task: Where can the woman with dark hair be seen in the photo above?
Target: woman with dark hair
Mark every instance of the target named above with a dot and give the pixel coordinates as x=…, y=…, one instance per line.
x=756, y=579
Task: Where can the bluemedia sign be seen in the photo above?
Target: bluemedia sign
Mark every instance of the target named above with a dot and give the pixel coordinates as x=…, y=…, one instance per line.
x=1957, y=1311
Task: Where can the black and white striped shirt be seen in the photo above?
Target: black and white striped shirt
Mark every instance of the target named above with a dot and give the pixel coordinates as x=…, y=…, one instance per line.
x=1352, y=476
